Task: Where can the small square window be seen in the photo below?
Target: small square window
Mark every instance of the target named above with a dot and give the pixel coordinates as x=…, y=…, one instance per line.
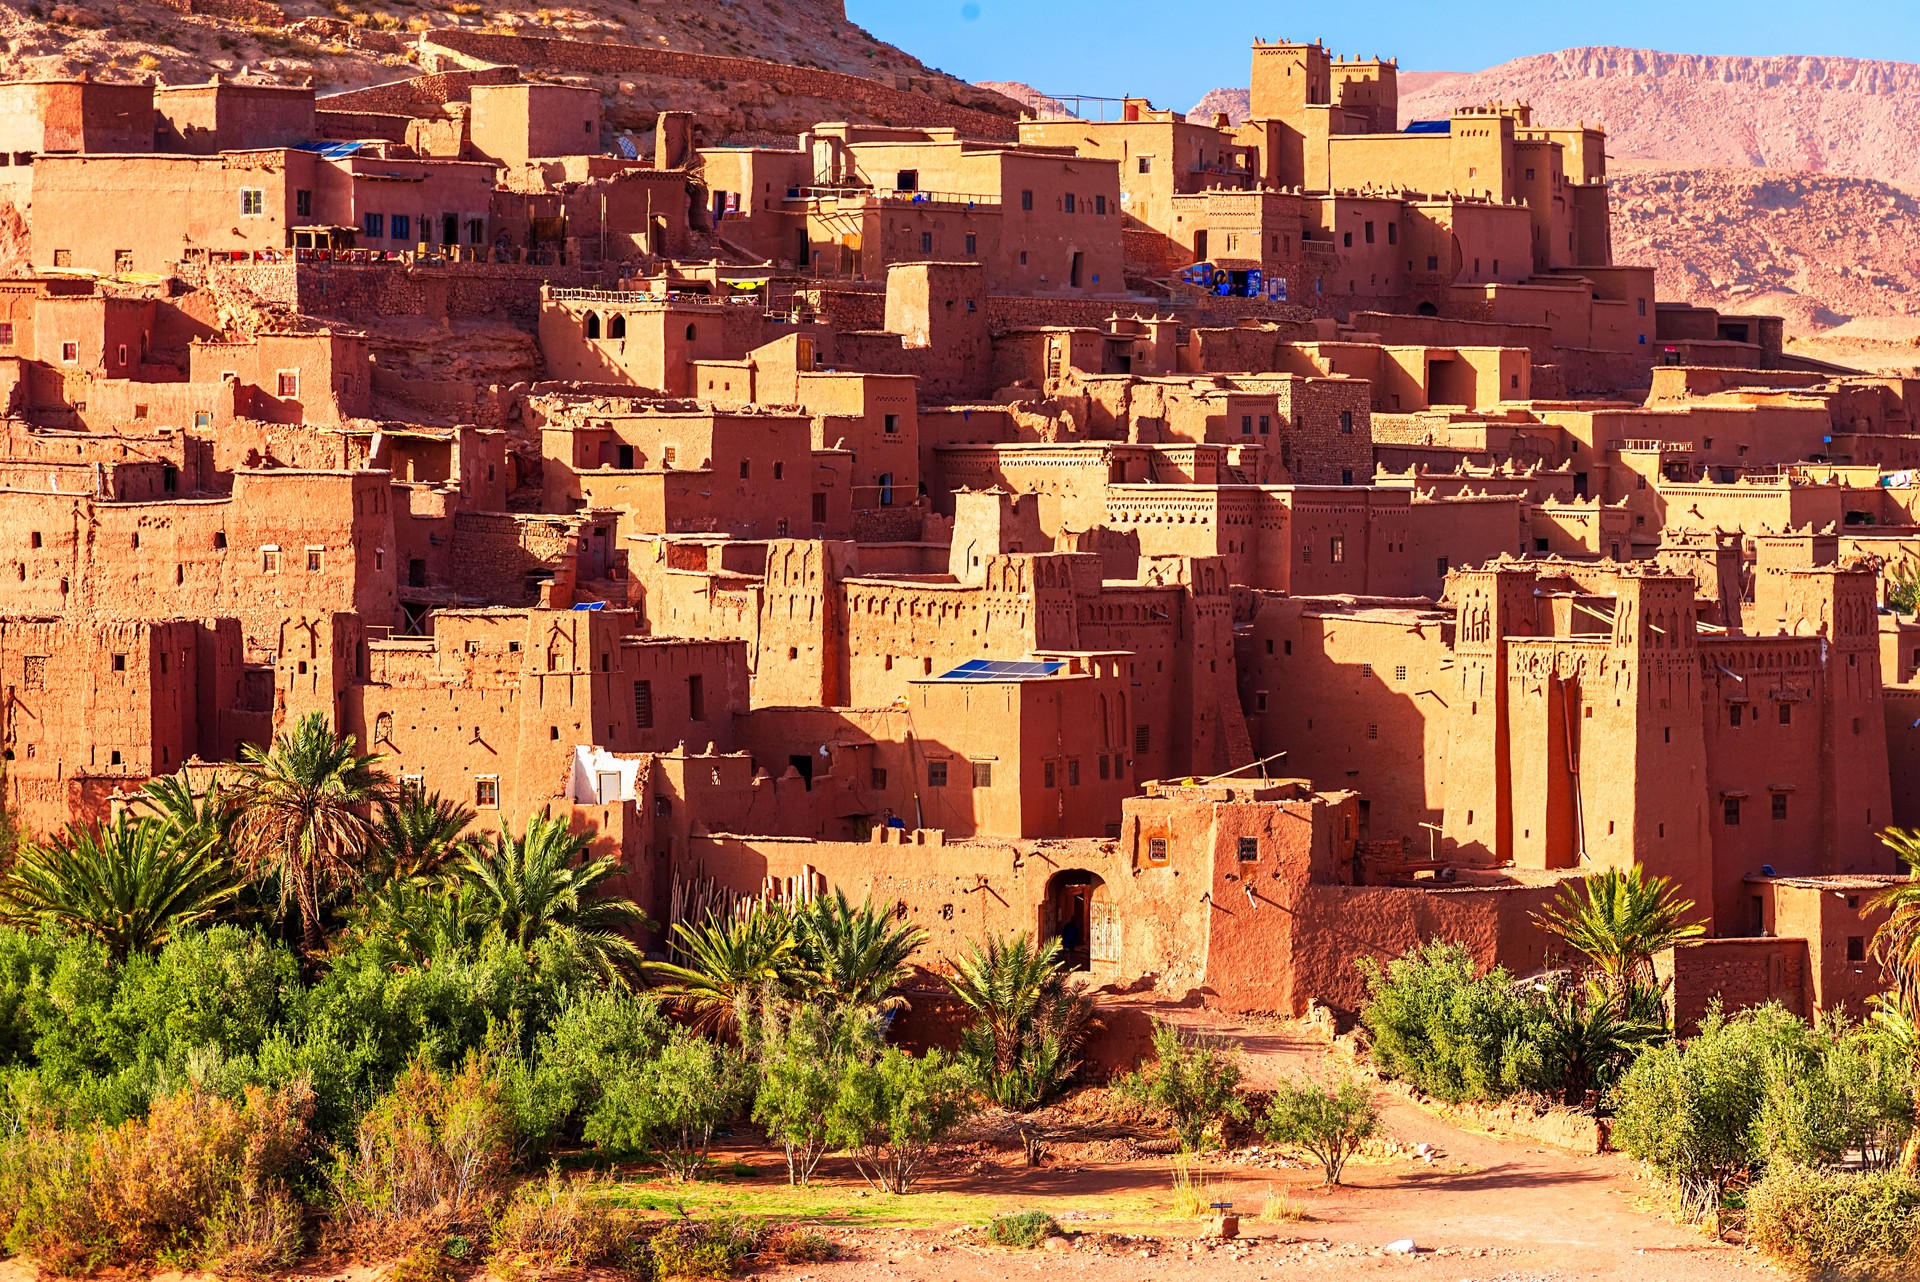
x=119, y=663
x=877, y=778
x=1156, y=850
x=983, y=774
x=253, y=202
x=1779, y=805
x=936, y=774
x=70, y=353
x=486, y=793
x=1026, y=203
x=1046, y=774
x=1248, y=848
x=288, y=382
x=1856, y=948
x=1733, y=714
x=270, y=560
x=1346, y=422
x=1730, y=812
x=1073, y=773
x=1786, y=714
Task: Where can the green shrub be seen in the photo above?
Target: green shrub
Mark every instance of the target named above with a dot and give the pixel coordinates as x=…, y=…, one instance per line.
x=1022, y=1228
x=1330, y=1122
x=1192, y=1082
x=1441, y=1027
x=1690, y=1111
x=1844, y=1088
x=891, y=1112
x=1837, y=1225
x=803, y=1052
x=670, y=1105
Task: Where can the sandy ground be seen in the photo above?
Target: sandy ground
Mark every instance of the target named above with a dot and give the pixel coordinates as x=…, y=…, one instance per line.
x=1486, y=1209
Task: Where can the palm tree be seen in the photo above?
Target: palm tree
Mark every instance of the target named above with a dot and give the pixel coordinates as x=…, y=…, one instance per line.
x=206, y=818
x=542, y=885
x=304, y=816
x=727, y=963
x=1620, y=920
x=420, y=831
x=1896, y=946
x=857, y=955
x=1029, y=1020
x=132, y=885
x=409, y=920
x=1896, y=941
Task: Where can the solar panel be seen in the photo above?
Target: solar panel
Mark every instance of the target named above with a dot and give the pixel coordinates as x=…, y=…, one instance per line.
x=1002, y=670
x=329, y=150
x=1429, y=127
x=627, y=149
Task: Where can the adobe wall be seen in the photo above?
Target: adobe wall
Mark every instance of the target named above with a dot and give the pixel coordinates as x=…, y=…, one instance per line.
x=1737, y=973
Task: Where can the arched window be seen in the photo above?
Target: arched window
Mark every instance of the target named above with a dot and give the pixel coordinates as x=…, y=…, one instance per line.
x=593, y=324
x=692, y=333
x=383, y=728
x=617, y=327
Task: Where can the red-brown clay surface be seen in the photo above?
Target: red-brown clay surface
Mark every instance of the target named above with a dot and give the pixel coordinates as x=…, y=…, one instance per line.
x=1484, y=1209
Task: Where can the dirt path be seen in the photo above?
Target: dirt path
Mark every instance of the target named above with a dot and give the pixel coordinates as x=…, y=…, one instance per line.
x=1480, y=1208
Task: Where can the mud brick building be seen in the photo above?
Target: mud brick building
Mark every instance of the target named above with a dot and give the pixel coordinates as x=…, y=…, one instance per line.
x=1231, y=551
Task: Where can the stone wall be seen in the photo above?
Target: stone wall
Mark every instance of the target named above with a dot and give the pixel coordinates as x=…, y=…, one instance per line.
x=257, y=12
x=420, y=96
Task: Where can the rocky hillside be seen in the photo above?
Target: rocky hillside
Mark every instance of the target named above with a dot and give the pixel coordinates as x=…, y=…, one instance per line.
x=339, y=45
x=1762, y=183
x=1819, y=115
x=1814, y=248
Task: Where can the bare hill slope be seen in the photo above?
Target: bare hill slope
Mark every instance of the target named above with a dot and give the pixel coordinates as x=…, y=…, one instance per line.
x=339, y=45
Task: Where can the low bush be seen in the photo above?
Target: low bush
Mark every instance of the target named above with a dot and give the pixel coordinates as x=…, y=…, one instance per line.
x=1192, y=1083
x=1690, y=1111
x=199, y=1179
x=1330, y=1122
x=792, y=1244
x=557, y=1225
x=1022, y=1228
x=1443, y=1028
x=1837, y=1225
x=703, y=1249
x=429, y=1160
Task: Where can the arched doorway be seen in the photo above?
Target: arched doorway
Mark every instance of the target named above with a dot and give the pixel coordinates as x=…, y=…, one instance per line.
x=1076, y=912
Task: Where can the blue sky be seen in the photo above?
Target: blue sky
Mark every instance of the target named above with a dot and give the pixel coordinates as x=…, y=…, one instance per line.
x=1116, y=47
